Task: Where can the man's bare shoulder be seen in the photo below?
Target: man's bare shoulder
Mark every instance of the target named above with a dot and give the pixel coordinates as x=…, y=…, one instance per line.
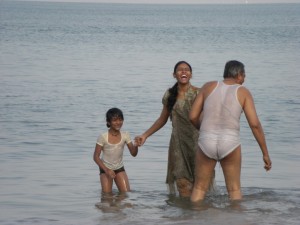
x=243, y=90
x=209, y=84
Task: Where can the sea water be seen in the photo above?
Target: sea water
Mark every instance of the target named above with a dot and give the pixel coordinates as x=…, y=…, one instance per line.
x=63, y=65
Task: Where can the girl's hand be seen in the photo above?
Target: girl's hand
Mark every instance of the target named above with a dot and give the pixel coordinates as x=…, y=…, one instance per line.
x=140, y=140
x=110, y=173
x=137, y=141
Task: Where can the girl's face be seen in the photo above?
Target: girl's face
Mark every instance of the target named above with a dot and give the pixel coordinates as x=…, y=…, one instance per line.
x=183, y=73
x=116, y=123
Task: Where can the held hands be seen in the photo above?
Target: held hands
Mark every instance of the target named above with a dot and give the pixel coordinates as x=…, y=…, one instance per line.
x=139, y=140
x=268, y=163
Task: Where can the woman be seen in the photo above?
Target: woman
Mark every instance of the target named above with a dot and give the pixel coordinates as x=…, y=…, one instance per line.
x=177, y=102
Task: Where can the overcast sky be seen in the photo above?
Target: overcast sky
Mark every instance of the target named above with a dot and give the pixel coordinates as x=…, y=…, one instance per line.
x=181, y=1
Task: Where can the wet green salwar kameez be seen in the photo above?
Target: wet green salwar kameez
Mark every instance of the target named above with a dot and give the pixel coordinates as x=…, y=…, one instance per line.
x=183, y=142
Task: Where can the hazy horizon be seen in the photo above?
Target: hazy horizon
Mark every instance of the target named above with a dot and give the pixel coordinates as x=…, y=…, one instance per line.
x=178, y=1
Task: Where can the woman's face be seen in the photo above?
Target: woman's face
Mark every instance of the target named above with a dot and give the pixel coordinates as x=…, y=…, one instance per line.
x=183, y=73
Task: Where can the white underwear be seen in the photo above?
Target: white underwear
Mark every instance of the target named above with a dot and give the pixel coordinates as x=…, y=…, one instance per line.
x=218, y=146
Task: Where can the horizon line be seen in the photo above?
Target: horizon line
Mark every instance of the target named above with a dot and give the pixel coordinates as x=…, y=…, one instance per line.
x=155, y=3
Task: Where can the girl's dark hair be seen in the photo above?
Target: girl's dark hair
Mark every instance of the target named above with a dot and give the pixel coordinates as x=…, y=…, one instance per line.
x=111, y=113
x=173, y=91
x=233, y=68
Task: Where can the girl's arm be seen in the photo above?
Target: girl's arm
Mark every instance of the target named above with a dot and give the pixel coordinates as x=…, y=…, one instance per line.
x=98, y=161
x=133, y=148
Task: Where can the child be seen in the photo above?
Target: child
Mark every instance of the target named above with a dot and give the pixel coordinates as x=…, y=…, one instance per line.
x=111, y=145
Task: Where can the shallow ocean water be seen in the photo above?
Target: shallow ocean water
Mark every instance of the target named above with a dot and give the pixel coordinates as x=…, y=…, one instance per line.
x=64, y=64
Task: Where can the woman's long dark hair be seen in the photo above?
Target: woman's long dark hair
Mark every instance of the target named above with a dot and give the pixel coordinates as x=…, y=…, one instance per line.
x=173, y=91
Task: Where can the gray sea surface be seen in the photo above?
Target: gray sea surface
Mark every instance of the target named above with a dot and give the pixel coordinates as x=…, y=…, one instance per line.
x=63, y=65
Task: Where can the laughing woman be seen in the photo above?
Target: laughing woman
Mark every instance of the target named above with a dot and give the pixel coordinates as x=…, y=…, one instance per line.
x=177, y=102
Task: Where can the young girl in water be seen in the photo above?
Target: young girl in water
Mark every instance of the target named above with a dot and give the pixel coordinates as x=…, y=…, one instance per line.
x=111, y=145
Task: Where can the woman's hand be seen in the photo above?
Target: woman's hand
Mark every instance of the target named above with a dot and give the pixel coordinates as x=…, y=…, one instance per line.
x=268, y=163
